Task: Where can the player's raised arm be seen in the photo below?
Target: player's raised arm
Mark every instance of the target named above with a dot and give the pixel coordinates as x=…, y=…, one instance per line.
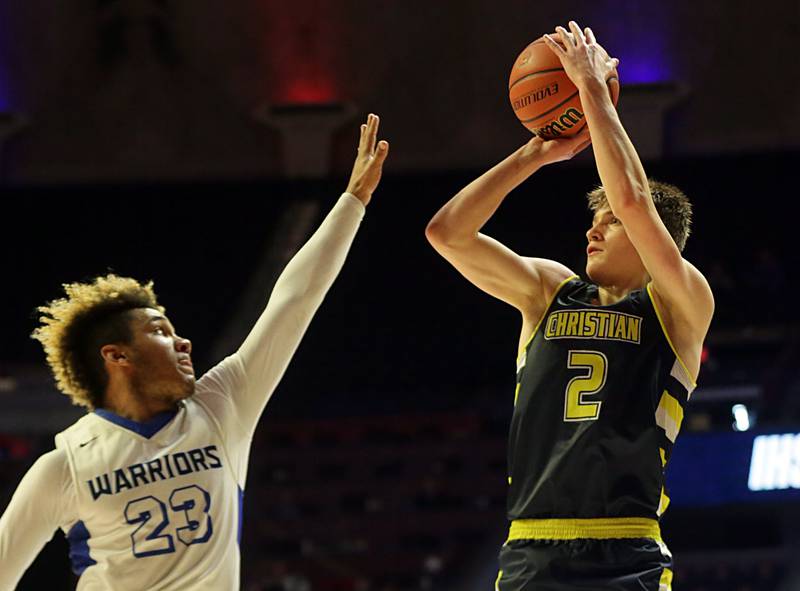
x=302, y=285
x=455, y=229
x=679, y=284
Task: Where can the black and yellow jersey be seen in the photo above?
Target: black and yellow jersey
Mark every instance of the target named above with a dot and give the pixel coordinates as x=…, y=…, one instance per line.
x=598, y=404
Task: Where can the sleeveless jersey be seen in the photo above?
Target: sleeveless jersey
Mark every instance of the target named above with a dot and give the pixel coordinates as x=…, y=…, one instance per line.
x=599, y=402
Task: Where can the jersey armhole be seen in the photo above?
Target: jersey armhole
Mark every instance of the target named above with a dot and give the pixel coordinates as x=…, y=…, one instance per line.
x=666, y=335
x=550, y=301
x=234, y=468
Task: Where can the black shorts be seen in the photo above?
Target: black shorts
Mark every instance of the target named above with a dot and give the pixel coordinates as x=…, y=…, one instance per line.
x=637, y=564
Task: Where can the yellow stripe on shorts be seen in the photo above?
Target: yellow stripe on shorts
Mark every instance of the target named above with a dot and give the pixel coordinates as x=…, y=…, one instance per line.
x=585, y=529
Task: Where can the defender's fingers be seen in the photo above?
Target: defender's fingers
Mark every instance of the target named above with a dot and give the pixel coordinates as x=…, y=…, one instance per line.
x=372, y=134
x=361, y=140
x=383, y=150
x=380, y=154
x=590, y=38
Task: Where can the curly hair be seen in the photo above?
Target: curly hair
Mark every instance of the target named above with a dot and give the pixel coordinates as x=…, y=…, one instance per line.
x=672, y=205
x=74, y=328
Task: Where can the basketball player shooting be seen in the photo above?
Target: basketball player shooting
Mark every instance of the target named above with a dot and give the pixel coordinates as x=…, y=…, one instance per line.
x=148, y=485
x=605, y=366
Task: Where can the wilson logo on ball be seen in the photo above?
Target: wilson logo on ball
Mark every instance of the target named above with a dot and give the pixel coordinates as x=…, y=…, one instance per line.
x=543, y=97
x=557, y=127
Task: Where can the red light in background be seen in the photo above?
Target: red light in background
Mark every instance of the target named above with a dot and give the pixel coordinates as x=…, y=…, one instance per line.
x=14, y=448
x=306, y=92
x=704, y=355
x=301, y=44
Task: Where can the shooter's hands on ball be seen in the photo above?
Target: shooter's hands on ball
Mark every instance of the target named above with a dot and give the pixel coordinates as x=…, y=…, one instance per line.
x=557, y=149
x=584, y=60
x=368, y=166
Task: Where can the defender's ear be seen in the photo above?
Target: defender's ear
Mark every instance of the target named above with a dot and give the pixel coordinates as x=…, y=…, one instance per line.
x=114, y=354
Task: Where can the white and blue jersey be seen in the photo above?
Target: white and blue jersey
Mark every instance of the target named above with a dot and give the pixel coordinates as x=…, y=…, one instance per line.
x=158, y=505
x=151, y=496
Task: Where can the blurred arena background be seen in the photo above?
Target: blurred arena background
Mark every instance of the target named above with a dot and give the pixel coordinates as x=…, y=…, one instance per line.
x=197, y=143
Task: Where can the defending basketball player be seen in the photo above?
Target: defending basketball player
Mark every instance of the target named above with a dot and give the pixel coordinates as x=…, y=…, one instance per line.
x=148, y=485
x=605, y=366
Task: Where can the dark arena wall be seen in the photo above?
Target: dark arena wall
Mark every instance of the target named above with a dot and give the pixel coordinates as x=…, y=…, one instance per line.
x=199, y=144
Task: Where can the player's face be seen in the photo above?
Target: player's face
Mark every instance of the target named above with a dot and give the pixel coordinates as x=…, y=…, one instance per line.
x=611, y=258
x=161, y=360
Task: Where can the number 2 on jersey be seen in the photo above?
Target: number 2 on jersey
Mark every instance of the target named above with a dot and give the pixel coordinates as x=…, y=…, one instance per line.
x=191, y=502
x=591, y=382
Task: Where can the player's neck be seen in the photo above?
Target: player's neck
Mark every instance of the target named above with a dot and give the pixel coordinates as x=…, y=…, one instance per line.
x=123, y=401
x=611, y=294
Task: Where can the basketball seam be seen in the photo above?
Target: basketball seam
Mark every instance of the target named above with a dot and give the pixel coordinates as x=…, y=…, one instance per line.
x=532, y=74
x=566, y=100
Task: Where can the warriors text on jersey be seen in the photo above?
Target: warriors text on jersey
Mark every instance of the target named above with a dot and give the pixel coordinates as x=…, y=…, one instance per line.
x=158, y=505
x=598, y=405
x=149, y=496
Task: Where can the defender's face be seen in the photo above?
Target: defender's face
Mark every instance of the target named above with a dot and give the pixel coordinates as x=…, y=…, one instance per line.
x=611, y=258
x=161, y=360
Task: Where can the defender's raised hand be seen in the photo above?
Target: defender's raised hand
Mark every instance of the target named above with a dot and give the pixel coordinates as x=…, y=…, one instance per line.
x=368, y=166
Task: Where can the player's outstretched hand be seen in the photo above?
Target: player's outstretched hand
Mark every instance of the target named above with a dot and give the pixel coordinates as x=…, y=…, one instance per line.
x=558, y=149
x=583, y=58
x=368, y=166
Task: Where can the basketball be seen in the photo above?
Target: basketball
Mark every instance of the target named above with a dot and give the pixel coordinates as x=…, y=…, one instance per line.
x=543, y=97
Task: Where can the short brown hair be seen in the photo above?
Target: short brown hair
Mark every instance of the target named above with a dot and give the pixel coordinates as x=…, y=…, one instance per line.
x=74, y=328
x=672, y=205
